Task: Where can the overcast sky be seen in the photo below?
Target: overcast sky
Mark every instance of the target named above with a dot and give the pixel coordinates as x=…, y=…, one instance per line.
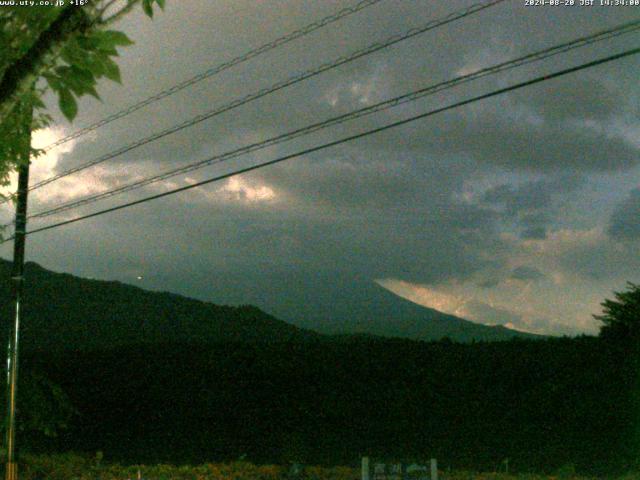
x=519, y=210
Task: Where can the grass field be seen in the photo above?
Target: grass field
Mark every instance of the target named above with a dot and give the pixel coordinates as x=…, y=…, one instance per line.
x=75, y=467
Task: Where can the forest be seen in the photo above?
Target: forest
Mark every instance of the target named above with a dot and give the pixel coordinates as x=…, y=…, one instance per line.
x=542, y=404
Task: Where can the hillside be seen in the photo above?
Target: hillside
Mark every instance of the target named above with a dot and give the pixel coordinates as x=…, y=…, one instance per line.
x=157, y=377
x=543, y=404
x=367, y=308
x=65, y=311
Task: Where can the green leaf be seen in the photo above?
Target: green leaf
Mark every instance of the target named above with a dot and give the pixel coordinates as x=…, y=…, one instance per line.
x=113, y=37
x=161, y=3
x=73, y=54
x=78, y=80
x=82, y=74
x=111, y=70
x=95, y=65
x=62, y=71
x=106, y=50
x=148, y=9
x=88, y=42
x=92, y=91
x=68, y=104
x=53, y=81
x=37, y=102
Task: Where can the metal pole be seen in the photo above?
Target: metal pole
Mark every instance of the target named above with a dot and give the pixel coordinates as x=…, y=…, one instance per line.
x=434, y=469
x=17, y=283
x=366, y=470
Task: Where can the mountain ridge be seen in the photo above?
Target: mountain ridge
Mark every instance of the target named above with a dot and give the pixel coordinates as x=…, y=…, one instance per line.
x=64, y=311
x=367, y=307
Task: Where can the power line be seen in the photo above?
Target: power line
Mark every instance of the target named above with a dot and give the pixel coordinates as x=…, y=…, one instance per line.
x=350, y=138
x=274, y=88
x=345, y=12
x=381, y=106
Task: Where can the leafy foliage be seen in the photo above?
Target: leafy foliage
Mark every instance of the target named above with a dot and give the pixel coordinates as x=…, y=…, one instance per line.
x=85, y=59
x=44, y=408
x=19, y=29
x=621, y=317
x=543, y=404
x=71, y=48
x=147, y=6
x=70, y=466
x=16, y=130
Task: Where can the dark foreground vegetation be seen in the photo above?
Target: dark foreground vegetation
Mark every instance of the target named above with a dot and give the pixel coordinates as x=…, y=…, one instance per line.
x=76, y=467
x=98, y=375
x=543, y=404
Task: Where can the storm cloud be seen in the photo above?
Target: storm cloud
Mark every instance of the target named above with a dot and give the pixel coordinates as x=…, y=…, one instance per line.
x=625, y=220
x=494, y=202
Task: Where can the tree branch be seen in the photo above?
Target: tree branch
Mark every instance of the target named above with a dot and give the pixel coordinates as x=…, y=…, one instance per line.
x=106, y=7
x=22, y=74
x=116, y=16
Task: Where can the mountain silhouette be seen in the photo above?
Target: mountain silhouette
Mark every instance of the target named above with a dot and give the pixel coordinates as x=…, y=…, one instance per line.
x=62, y=311
x=364, y=307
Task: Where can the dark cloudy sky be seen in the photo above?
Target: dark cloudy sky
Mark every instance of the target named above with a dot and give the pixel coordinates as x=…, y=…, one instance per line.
x=519, y=210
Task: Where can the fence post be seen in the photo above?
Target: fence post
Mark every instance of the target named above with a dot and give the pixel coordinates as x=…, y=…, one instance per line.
x=434, y=469
x=365, y=468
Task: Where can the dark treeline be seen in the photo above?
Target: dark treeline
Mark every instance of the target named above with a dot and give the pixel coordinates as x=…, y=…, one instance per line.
x=542, y=404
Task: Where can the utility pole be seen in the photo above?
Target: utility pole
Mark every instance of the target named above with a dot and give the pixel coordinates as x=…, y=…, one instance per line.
x=17, y=285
